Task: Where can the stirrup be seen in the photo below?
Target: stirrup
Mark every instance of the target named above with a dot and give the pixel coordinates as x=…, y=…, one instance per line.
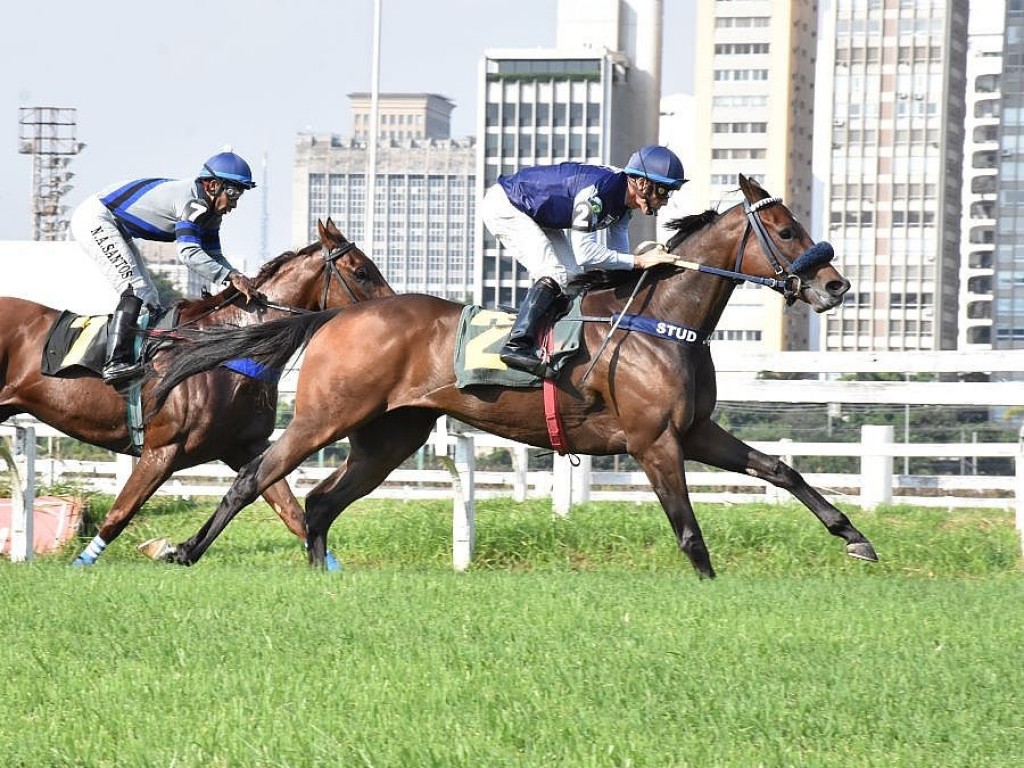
x=119, y=372
x=524, y=360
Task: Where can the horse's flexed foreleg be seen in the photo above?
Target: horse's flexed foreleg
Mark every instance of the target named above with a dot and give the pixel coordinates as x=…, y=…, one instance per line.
x=710, y=444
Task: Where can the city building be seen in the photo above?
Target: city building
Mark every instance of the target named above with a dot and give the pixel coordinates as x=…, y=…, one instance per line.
x=592, y=98
x=895, y=168
x=402, y=116
x=424, y=198
x=754, y=112
x=981, y=159
x=1008, y=304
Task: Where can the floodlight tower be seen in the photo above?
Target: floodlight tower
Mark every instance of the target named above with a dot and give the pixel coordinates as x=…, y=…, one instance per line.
x=48, y=134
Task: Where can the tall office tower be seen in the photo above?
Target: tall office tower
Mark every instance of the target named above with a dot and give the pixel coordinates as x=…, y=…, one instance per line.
x=1008, y=307
x=593, y=98
x=425, y=198
x=896, y=171
x=981, y=158
x=754, y=112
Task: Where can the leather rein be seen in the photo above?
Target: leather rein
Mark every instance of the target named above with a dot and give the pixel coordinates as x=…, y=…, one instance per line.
x=331, y=255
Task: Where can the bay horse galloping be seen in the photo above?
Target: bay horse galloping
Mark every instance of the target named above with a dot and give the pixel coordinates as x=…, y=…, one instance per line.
x=219, y=415
x=383, y=372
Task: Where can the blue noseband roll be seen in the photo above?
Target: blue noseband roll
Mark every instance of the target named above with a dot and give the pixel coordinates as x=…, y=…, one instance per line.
x=817, y=254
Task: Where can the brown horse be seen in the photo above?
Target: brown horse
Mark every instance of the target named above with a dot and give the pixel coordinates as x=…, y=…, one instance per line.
x=219, y=415
x=650, y=396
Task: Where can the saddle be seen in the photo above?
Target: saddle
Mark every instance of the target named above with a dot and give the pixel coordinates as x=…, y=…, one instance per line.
x=77, y=344
x=482, y=332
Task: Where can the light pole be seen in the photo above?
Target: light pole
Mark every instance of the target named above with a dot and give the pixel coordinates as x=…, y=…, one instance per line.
x=374, y=133
x=48, y=134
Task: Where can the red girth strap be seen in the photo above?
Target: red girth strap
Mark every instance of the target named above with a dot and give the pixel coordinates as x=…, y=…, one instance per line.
x=556, y=430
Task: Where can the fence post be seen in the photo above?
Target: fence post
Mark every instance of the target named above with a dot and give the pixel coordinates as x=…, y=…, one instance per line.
x=875, y=465
x=520, y=467
x=123, y=468
x=23, y=494
x=464, y=506
x=1019, y=494
x=561, y=485
x=570, y=482
x=581, y=478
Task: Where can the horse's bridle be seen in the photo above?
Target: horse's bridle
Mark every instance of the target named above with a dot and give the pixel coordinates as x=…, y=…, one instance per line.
x=788, y=281
x=331, y=255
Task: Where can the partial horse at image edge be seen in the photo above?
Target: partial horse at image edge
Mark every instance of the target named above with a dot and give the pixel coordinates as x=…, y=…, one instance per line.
x=219, y=415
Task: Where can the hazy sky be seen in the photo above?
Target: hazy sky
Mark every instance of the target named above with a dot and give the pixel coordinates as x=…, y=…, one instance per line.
x=161, y=87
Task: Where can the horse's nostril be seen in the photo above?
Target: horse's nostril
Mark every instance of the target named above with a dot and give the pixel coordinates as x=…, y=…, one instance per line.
x=837, y=287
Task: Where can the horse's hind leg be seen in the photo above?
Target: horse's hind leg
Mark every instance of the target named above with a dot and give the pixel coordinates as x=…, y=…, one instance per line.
x=709, y=443
x=375, y=450
x=278, y=495
x=299, y=440
x=153, y=468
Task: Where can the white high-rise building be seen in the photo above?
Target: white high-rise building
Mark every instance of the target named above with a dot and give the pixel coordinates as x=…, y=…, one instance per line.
x=895, y=170
x=754, y=113
x=593, y=98
x=981, y=153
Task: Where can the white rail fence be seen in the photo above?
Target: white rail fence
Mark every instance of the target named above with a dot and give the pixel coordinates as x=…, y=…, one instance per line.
x=570, y=483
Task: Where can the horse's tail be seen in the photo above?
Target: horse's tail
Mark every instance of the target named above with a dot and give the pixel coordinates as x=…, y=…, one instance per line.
x=271, y=343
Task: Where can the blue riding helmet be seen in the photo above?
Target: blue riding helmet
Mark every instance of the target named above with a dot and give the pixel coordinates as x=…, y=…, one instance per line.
x=659, y=164
x=227, y=166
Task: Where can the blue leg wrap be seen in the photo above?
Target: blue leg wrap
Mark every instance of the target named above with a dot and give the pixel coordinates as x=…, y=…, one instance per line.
x=330, y=561
x=91, y=552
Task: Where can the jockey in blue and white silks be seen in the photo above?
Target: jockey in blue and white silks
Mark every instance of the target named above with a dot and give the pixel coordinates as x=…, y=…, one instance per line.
x=548, y=218
x=186, y=212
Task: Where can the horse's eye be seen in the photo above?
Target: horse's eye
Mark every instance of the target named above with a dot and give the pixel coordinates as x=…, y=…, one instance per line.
x=786, y=233
x=362, y=274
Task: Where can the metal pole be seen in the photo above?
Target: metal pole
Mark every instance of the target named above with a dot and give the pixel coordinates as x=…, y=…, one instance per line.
x=371, y=171
x=906, y=429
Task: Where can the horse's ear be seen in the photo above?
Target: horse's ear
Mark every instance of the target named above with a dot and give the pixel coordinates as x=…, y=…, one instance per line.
x=751, y=189
x=333, y=231
x=322, y=230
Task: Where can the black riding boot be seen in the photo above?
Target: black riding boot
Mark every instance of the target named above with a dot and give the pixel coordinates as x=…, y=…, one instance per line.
x=120, y=364
x=520, y=351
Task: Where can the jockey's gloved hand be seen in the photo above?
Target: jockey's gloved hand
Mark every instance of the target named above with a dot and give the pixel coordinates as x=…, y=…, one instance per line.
x=651, y=253
x=242, y=284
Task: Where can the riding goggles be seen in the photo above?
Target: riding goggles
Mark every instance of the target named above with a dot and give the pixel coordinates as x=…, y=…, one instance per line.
x=232, y=191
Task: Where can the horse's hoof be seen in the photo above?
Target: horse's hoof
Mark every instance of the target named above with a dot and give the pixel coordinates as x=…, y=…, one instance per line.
x=157, y=549
x=78, y=562
x=331, y=563
x=862, y=551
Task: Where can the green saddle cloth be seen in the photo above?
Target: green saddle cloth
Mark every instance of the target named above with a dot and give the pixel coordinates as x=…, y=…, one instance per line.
x=481, y=334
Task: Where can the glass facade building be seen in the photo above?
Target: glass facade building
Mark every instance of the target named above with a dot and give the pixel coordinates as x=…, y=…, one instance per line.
x=1008, y=237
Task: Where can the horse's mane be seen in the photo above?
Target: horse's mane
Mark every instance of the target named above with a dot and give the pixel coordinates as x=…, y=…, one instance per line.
x=267, y=271
x=687, y=225
x=602, y=278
